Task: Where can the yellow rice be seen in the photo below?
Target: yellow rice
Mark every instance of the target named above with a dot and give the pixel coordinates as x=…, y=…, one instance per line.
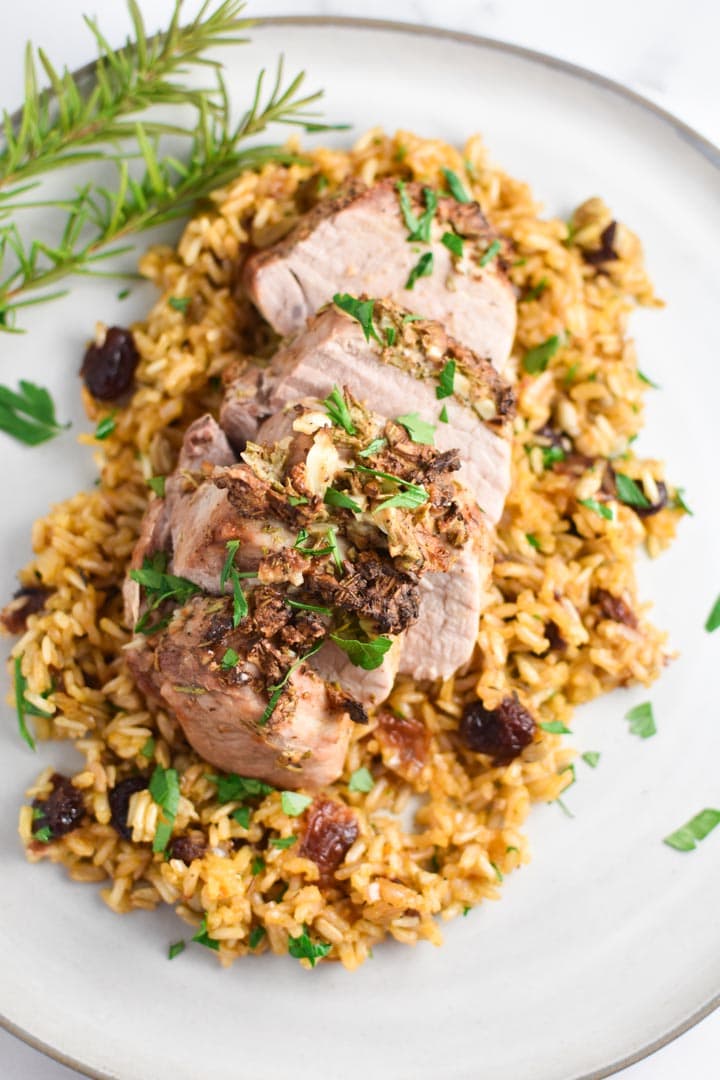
x=467, y=833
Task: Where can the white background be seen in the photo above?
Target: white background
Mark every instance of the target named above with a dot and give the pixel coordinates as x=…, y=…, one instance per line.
x=665, y=50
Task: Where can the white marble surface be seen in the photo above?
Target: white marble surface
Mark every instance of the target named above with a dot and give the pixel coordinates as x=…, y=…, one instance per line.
x=664, y=50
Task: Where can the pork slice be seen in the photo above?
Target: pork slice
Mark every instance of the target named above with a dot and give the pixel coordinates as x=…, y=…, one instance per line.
x=358, y=243
x=370, y=688
x=204, y=443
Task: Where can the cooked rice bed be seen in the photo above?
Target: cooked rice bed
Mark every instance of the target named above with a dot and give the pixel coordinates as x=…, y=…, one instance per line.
x=467, y=825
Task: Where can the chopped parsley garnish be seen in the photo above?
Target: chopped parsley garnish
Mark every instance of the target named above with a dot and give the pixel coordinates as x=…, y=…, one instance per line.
x=277, y=689
x=466, y=910
x=240, y=604
x=242, y=816
x=418, y=227
x=44, y=834
x=453, y=243
x=446, y=381
x=203, y=938
x=148, y=748
x=373, y=447
x=123, y=294
x=551, y=454
x=361, y=780
x=390, y=335
x=157, y=484
x=492, y=252
x=412, y=318
x=257, y=866
x=412, y=495
x=532, y=541
x=498, y=871
x=160, y=587
x=409, y=217
x=443, y=417
x=338, y=411
x=106, y=426
x=234, y=788
x=283, y=842
x=713, y=620
x=591, y=758
x=570, y=375
x=642, y=720
x=23, y=706
x=229, y=660
x=629, y=492
x=556, y=727
x=565, y=809
x=303, y=948
x=179, y=303
x=308, y=607
x=361, y=310
x=165, y=790
x=536, y=291
x=598, y=508
x=175, y=949
x=679, y=502
x=334, y=549
x=419, y=430
x=256, y=935
x=367, y=655
x=422, y=268
x=298, y=500
x=537, y=359
x=340, y=499
x=294, y=803
x=456, y=187
x=648, y=382
x=688, y=836
x=28, y=416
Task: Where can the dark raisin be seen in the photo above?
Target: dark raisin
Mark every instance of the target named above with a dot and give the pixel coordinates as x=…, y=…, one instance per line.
x=188, y=847
x=357, y=712
x=502, y=732
x=330, y=832
x=119, y=799
x=108, y=369
x=63, y=809
x=614, y=607
x=557, y=641
x=25, y=602
x=656, y=507
x=606, y=252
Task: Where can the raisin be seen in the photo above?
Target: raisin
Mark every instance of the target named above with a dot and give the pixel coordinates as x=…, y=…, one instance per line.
x=63, y=809
x=502, y=733
x=615, y=608
x=25, y=602
x=119, y=799
x=606, y=252
x=405, y=743
x=552, y=633
x=331, y=831
x=188, y=847
x=108, y=369
x=657, y=506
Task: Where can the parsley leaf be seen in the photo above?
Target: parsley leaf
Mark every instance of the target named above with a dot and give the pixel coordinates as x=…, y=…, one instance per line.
x=551, y=454
x=361, y=780
x=231, y=547
x=443, y=417
x=412, y=496
x=412, y=318
x=175, y=949
x=242, y=816
x=361, y=310
x=421, y=232
x=277, y=689
x=28, y=416
x=629, y=492
x=536, y=291
x=390, y=335
x=179, y=303
x=373, y=447
x=333, y=547
x=648, y=382
x=687, y=837
x=642, y=720
x=157, y=483
x=498, y=871
x=591, y=758
x=21, y=704
x=234, y=788
x=283, y=842
x=679, y=502
x=148, y=748
x=340, y=499
x=160, y=587
x=420, y=431
x=409, y=216
x=491, y=253
x=338, y=411
x=44, y=834
x=457, y=190
x=446, y=381
x=203, y=938
x=404, y=500
x=308, y=607
x=229, y=660
x=294, y=803
x=303, y=948
x=599, y=508
x=256, y=935
x=240, y=604
x=713, y=620
x=165, y=790
x=537, y=359
x=423, y=268
x=367, y=655
x=106, y=426
x=298, y=500
x=257, y=866
x=556, y=727
x=532, y=541
x=453, y=243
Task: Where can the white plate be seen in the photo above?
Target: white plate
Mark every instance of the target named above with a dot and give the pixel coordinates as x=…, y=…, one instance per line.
x=609, y=943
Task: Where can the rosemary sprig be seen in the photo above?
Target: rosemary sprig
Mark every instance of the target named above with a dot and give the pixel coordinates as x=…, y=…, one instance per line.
x=79, y=118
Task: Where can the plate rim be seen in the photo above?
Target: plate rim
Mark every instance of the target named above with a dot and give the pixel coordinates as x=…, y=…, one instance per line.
x=702, y=145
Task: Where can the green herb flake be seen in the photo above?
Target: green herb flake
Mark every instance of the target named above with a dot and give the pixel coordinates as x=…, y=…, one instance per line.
x=283, y=842
x=443, y=417
x=511, y=848
x=466, y=910
x=564, y=807
x=231, y=547
x=533, y=541
x=257, y=866
x=157, y=484
x=372, y=448
x=164, y=787
x=453, y=243
x=179, y=303
x=294, y=804
x=591, y=758
x=361, y=780
x=498, y=871
x=234, y=788
x=362, y=311
x=338, y=411
x=412, y=495
x=492, y=252
x=551, y=455
x=679, y=502
x=629, y=492
x=648, y=382
x=412, y=318
x=333, y=548
x=29, y=415
x=390, y=335
x=106, y=426
x=44, y=834
x=713, y=620
x=456, y=187
x=689, y=835
x=123, y=295
x=536, y=291
x=556, y=727
x=307, y=607
x=297, y=500
x=175, y=949
x=303, y=948
x=642, y=720
x=537, y=359
x=367, y=655
x=203, y=938
x=446, y=381
x=242, y=816
x=420, y=431
x=422, y=268
x=419, y=228
x=256, y=935
x=332, y=497
x=148, y=749
x=570, y=375
x=240, y=604
x=598, y=508
x=277, y=688
x=229, y=660
x=405, y=500
x=21, y=704
x=159, y=587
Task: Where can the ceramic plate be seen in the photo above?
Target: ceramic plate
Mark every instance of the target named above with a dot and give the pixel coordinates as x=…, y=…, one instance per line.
x=609, y=942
